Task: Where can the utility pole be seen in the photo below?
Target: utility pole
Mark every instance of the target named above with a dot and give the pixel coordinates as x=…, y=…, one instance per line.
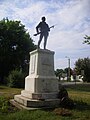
x=68, y=68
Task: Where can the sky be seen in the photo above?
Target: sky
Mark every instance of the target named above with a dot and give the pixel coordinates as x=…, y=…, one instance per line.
x=70, y=17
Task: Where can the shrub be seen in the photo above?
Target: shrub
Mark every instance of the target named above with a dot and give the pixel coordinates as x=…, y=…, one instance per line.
x=65, y=101
x=86, y=79
x=16, y=79
x=83, y=65
x=3, y=105
x=62, y=93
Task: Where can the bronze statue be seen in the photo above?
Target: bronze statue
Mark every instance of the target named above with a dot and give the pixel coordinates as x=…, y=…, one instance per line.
x=42, y=29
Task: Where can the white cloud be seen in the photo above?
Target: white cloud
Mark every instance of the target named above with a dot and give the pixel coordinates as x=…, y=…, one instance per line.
x=72, y=19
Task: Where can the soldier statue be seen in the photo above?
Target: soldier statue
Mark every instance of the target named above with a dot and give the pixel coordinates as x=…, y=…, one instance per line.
x=43, y=29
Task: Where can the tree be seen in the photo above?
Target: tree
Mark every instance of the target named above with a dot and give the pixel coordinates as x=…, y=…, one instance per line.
x=67, y=70
x=15, y=45
x=62, y=73
x=83, y=64
x=59, y=73
x=87, y=39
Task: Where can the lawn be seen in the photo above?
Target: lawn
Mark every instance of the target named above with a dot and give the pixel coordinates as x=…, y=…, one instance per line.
x=79, y=93
x=9, y=92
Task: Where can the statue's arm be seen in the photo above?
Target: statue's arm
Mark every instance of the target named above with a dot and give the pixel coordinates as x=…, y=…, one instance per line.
x=48, y=27
x=37, y=28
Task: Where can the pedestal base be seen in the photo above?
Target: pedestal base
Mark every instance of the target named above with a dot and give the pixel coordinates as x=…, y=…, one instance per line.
x=32, y=103
x=39, y=96
x=41, y=85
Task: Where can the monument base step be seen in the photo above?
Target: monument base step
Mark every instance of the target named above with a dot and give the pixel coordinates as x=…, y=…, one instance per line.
x=20, y=106
x=27, y=94
x=32, y=103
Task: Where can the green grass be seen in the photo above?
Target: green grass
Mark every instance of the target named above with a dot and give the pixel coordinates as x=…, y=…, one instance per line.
x=9, y=92
x=84, y=87
x=79, y=93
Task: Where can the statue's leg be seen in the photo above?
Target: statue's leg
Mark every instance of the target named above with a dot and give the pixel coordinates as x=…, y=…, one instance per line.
x=45, y=40
x=40, y=39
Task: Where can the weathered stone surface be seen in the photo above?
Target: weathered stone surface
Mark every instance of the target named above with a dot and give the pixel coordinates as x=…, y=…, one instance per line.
x=41, y=77
x=41, y=85
x=51, y=95
x=36, y=103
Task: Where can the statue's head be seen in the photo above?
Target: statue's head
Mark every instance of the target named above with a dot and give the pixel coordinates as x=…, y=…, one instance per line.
x=43, y=19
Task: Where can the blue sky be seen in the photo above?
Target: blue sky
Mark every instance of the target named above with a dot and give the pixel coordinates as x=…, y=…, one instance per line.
x=72, y=19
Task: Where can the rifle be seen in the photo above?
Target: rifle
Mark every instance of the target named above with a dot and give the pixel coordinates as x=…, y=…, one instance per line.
x=40, y=32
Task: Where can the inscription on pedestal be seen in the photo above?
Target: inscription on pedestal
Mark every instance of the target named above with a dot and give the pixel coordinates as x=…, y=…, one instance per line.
x=47, y=66
x=33, y=62
x=46, y=61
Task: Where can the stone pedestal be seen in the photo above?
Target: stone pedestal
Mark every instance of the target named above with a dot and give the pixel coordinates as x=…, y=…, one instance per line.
x=41, y=85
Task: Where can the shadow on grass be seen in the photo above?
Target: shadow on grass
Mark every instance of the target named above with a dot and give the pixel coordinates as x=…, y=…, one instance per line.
x=80, y=105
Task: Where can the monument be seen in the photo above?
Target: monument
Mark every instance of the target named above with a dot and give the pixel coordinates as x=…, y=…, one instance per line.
x=41, y=85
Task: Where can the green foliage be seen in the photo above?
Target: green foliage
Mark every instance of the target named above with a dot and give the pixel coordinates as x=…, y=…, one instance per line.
x=32, y=115
x=87, y=39
x=63, y=73
x=83, y=64
x=3, y=105
x=59, y=72
x=15, y=45
x=65, y=101
x=16, y=79
x=62, y=93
